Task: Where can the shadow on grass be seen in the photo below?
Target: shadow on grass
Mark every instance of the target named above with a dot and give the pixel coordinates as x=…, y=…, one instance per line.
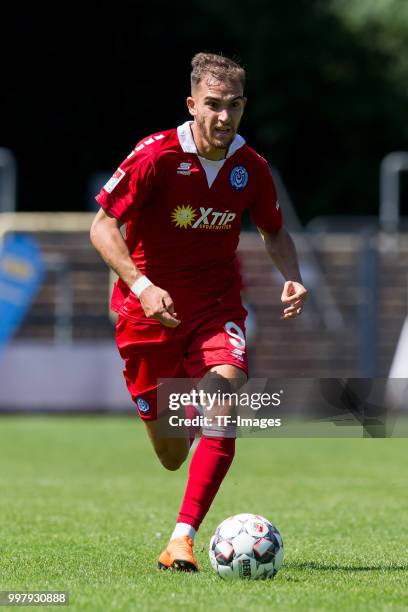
x=313, y=565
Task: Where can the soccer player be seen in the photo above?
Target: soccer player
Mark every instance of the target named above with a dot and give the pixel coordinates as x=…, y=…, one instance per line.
x=181, y=194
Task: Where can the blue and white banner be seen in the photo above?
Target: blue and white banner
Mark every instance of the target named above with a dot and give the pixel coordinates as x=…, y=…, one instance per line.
x=21, y=274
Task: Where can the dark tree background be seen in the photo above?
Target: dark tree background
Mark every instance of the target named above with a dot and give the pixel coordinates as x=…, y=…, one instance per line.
x=82, y=84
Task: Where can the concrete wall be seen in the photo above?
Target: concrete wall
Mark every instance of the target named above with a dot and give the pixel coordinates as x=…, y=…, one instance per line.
x=82, y=376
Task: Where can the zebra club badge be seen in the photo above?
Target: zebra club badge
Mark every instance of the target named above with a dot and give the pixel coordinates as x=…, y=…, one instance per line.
x=239, y=177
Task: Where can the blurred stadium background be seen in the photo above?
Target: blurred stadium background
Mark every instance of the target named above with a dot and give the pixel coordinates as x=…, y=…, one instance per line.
x=328, y=103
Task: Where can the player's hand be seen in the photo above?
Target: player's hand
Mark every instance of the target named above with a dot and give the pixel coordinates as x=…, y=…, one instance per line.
x=157, y=304
x=294, y=296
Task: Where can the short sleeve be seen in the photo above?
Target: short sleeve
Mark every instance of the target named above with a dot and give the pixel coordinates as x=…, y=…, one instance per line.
x=129, y=186
x=264, y=210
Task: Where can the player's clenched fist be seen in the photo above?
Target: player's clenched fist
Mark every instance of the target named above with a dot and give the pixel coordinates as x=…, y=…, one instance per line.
x=157, y=304
x=293, y=296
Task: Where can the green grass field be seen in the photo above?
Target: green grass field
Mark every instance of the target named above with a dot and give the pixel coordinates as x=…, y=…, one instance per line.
x=86, y=507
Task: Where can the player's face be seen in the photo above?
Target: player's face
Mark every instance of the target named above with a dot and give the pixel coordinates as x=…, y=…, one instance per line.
x=217, y=108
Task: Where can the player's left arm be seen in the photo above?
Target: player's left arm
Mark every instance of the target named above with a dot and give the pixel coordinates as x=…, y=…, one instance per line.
x=282, y=251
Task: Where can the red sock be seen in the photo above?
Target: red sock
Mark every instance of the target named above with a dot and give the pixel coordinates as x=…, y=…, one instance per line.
x=208, y=468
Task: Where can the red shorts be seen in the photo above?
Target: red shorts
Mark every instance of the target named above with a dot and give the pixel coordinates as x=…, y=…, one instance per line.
x=152, y=351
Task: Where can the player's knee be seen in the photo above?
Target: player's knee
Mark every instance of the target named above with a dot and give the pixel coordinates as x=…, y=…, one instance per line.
x=172, y=463
x=172, y=459
x=217, y=385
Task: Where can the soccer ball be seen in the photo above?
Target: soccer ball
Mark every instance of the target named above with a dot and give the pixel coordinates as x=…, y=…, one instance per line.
x=246, y=546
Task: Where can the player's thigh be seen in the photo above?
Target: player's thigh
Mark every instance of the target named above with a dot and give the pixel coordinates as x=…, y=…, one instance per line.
x=221, y=385
x=217, y=357
x=151, y=352
x=218, y=347
x=236, y=376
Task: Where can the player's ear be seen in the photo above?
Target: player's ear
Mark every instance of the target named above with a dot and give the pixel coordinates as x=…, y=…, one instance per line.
x=191, y=105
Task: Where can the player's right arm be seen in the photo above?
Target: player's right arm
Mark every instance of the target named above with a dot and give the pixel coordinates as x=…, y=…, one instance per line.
x=107, y=239
x=120, y=199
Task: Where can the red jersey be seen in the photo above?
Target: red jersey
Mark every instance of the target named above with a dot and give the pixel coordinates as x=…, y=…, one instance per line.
x=183, y=216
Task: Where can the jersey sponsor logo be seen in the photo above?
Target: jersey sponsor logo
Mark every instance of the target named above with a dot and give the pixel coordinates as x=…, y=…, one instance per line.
x=114, y=180
x=184, y=168
x=143, y=405
x=186, y=216
x=183, y=216
x=212, y=219
x=239, y=177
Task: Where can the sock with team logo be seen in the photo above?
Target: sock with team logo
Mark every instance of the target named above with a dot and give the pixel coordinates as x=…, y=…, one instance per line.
x=208, y=468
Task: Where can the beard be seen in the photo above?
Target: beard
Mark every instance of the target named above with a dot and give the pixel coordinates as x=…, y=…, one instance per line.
x=218, y=144
x=211, y=139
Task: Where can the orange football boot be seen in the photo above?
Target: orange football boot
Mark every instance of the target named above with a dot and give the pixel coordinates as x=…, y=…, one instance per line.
x=178, y=555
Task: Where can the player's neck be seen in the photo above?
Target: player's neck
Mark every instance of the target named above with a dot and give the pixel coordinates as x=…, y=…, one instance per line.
x=204, y=149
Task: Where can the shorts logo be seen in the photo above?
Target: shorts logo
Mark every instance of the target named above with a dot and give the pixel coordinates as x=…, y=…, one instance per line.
x=238, y=354
x=143, y=405
x=239, y=177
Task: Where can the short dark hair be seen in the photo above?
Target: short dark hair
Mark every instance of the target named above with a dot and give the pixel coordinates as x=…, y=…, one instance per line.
x=218, y=66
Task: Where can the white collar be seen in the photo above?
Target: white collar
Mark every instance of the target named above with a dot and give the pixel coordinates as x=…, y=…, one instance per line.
x=188, y=145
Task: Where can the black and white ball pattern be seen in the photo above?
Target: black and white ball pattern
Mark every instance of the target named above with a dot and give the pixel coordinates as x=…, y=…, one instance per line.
x=246, y=546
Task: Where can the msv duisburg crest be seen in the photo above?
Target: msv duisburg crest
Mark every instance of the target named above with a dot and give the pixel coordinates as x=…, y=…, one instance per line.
x=143, y=405
x=239, y=177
